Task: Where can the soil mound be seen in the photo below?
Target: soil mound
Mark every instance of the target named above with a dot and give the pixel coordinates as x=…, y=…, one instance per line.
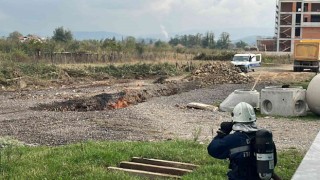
x=219, y=72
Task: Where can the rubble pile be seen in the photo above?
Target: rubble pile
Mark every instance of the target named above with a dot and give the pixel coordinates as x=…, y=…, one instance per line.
x=219, y=72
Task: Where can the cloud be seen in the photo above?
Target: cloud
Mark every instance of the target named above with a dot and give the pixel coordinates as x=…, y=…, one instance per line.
x=161, y=6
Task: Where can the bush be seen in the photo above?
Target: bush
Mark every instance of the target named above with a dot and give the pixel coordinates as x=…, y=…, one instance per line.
x=19, y=56
x=140, y=70
x=10, y=69
x=224, y=56
x=44, y=71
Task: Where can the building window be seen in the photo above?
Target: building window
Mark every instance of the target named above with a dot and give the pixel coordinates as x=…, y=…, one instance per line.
x=297, y=32
x=298, y=8
x=305, y=7
x=286, y=7
x=298, y=19
x=315, y=18
x=315, y=7
x=305, y=19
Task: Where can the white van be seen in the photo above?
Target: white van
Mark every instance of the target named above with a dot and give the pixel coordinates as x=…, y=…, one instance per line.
x=247, y=62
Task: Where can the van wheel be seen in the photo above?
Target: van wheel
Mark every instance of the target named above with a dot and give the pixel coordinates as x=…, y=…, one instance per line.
x=245, y=69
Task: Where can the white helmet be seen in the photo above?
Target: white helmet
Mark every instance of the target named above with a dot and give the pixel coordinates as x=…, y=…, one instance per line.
x=244, y=113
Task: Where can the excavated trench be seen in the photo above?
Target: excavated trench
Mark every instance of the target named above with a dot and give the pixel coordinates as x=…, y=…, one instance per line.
x=207, y=75
x=122, y=99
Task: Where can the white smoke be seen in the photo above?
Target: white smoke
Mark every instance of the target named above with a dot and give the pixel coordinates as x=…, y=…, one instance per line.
x=164, y=32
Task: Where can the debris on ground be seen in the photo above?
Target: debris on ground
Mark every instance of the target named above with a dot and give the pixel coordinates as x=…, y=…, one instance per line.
x=161, y=79
x=219, y=72
x=202, y=106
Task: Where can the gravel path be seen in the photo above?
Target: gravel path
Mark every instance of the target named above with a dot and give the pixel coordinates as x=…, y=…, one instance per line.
x=159, y=118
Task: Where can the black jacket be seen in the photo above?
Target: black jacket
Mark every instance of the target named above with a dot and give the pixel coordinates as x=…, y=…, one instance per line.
x=238, y=147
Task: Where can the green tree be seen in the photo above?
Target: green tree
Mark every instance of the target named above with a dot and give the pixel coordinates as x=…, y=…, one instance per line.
x=49, y=48
x=36, y=47
x=140, y=48
x=241, y=44
x=161, y=45
x=90, y=46
x=14, y=36
x=130, y=43
x=74, y=46
x=110, y=44
x=174, y=41
x=62, y=35
x=211, y=43
x=224, y=41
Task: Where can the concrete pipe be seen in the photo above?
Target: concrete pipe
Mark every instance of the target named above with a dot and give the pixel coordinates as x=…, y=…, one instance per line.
x=240, y=95
x=283, y=101
x=312, y=96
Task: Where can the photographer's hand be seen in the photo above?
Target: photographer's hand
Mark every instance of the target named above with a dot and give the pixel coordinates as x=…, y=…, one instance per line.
x=225, y=129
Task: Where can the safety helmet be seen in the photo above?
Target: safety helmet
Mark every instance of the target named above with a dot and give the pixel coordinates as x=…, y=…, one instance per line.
x=244, y=113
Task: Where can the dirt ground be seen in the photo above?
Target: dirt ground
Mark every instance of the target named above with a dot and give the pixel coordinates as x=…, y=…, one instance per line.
x=140, y=110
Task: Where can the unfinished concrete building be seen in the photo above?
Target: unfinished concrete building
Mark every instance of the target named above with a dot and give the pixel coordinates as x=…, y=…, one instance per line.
x=296, y=20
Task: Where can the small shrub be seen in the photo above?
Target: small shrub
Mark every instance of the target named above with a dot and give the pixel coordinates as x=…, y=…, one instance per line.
x=43, y=71
x=19, y=56
x=223, y=55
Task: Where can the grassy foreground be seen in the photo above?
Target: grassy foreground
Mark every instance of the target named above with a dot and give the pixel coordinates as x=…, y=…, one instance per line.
x=90, y=160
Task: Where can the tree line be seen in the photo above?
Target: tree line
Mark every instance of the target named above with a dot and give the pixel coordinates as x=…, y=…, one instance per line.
x=62, y=45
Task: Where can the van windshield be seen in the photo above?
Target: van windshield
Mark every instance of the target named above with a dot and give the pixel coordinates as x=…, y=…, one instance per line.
x=240, y=58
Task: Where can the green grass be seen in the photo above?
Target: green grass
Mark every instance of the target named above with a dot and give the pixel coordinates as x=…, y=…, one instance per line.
x=134, y=70
x=90, y=160
x=308, y=117
x=304, y=84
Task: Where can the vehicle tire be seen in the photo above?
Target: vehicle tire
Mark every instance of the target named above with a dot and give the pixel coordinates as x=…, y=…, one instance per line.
x=315, y=70
x=245, y=69
x=295, y=69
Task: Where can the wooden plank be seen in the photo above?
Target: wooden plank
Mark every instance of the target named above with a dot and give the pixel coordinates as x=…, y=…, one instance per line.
x=154, y=168
x=160, y=162
x=202, y=106
x=151, y=175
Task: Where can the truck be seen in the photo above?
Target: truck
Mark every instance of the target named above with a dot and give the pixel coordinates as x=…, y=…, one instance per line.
x=246, y=62
x=306, y=56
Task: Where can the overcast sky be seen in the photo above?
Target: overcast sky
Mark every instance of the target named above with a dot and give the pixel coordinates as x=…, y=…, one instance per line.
x=137, y=17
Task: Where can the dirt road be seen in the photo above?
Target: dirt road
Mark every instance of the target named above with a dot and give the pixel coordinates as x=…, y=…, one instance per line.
x=282, y=74
x=46, y=117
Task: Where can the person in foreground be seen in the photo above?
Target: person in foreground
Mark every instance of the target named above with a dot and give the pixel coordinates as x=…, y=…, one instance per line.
x=251, y=151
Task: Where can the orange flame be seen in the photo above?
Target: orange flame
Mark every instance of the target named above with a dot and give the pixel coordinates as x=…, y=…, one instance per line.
x=120, y=103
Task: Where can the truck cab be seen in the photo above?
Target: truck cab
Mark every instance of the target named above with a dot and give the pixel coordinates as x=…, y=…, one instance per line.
x=246, y=62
